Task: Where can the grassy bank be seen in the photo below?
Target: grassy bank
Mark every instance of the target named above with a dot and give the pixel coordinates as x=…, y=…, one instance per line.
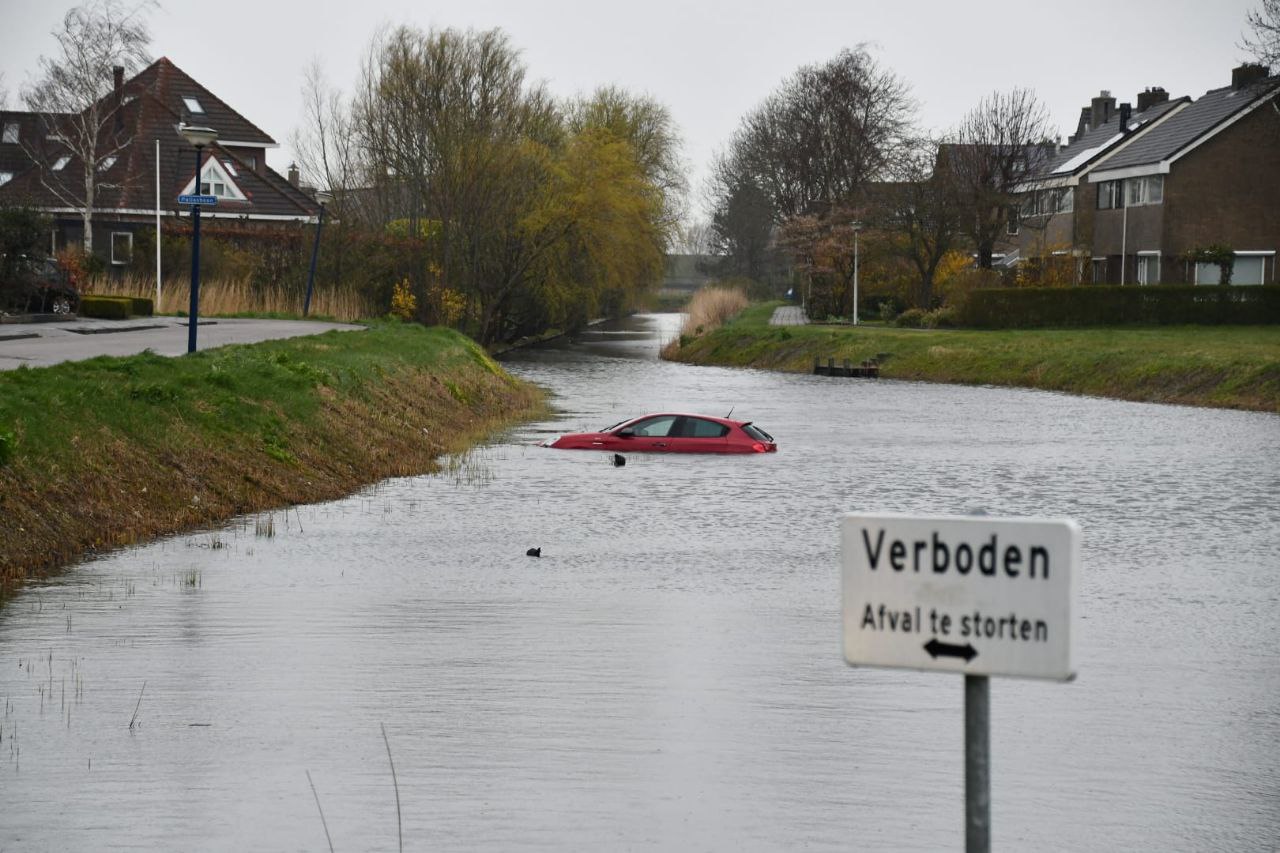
x=1222, y=366
x=111, y=451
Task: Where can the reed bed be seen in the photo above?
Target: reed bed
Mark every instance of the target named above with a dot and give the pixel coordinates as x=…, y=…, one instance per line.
x=231, y=296
x=709, y=309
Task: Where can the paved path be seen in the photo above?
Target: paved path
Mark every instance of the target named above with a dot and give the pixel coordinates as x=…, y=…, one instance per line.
x=788, y=315
x=43, y=344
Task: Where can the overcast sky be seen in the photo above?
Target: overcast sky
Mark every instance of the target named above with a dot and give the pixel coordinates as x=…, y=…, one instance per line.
x=709, y=62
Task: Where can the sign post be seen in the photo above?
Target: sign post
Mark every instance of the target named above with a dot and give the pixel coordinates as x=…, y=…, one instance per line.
x=969, y=594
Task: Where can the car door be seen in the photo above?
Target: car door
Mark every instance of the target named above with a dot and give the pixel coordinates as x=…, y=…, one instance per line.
x=650, y=435
x=697, y=435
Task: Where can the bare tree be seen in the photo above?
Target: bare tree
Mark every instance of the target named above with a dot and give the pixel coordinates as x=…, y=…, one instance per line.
x=326, y=145
x=919, y=208
x=74, y=100
x=1265, y=41
x=999, y=144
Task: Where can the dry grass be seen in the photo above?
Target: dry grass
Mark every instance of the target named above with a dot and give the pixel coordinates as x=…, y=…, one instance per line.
x=236, y=296
x=709, y=309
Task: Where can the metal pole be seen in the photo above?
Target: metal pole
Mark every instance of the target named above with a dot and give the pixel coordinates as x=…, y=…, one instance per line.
x=977, y=764
x=315, y=250
x=193, y=314
x=855, y=277
x=157, y=309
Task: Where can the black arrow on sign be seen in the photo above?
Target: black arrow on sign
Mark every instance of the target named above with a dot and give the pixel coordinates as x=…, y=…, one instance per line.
x=937, y=649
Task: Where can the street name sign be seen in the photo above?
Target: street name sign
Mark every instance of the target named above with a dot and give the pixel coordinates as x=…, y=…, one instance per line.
x=197, y=199
x=970, y=594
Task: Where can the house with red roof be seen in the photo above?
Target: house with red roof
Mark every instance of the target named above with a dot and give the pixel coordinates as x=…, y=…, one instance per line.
x=143, y=164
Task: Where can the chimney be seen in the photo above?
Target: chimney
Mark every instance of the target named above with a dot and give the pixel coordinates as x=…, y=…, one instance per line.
x=1150, y=97
x=294, y=177
x=1101, y=109
x=1125, y=111
x=1248, y=74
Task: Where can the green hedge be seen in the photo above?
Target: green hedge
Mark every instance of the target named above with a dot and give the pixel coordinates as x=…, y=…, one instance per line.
x=106, y=307
x=1095, y=305
x=142, y=306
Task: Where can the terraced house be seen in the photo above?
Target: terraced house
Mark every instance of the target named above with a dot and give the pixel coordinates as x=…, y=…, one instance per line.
x=1164, y=193
x=142, y=164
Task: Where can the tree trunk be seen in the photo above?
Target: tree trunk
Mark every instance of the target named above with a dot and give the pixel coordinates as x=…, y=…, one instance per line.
x=86, y=213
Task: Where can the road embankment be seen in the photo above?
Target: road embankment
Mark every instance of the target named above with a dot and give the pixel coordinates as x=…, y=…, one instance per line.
x=108, y=452
x=1235, y=367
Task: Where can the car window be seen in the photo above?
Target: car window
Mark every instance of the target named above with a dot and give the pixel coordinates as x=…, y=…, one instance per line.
x=699, y=428
x=756, y=433
x=655, y=427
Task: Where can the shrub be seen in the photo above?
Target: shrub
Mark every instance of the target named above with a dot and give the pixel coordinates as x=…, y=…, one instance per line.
x=106, y=307
x=912, y=318
x=142, y=306
x=8, y=441
x=403, y=303
x=942, y=318
x=1032, y=307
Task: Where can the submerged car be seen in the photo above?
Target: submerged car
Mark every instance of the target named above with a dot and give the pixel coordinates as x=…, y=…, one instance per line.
x=669, y=432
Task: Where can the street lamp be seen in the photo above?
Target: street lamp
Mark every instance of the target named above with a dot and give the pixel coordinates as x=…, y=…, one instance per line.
x=857, y=226
x=199, y=137
x=324, y=198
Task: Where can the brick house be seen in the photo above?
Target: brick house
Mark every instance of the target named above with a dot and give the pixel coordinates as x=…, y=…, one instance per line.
x=1131, y=197
x=142, y=156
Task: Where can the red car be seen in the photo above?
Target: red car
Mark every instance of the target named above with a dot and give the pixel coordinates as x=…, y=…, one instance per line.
x=673, y=433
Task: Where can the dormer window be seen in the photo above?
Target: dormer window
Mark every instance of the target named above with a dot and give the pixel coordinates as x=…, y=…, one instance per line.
x=107, y=163
x=231, y=168
x=215, y=181
x=61, y=163
x=193, y=106
x=10, y=132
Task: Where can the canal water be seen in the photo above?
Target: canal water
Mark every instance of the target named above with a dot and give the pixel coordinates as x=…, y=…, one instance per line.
x=668, y=674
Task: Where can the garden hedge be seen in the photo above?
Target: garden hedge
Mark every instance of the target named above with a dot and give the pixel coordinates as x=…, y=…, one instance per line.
x=106, y=307
x=1097, y=305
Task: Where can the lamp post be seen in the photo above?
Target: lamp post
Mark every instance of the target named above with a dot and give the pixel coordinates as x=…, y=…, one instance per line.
x=199, y=137
x=323, y=197
x=857, y=226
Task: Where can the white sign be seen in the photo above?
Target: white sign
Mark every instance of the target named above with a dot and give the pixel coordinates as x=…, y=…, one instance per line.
x=971, y=594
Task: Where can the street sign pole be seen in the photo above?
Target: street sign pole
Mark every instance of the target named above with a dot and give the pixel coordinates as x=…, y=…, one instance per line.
x=977, y=764
x=973, y=595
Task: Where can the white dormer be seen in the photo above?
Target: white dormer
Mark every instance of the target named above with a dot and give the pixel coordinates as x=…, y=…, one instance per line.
x=215, y=181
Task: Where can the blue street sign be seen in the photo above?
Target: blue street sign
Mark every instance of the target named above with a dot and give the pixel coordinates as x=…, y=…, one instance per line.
x=197, y=199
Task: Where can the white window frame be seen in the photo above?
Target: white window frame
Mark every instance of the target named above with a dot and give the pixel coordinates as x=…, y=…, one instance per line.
x=11, y=132
x=213, y=175
x=61, y=163
x=1205, y=266
x=192, y=105
x=1254, y=254
x=1094, y=264
x=114, y=260
x=107, y=163
x=5, y=177
x=1143, y=274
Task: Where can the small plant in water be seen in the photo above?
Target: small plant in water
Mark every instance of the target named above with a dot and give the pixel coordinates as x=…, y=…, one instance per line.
x=265, y=527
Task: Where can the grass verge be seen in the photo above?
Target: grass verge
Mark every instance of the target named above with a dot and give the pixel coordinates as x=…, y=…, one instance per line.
x=103, y=453
x=1221, y=366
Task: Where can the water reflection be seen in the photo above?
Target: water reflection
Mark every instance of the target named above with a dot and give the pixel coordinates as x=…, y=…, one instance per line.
x=667, y=675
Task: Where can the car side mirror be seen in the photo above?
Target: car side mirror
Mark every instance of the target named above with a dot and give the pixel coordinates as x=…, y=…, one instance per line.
x=626, y=432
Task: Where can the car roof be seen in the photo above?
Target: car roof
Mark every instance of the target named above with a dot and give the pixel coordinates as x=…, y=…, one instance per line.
x=725, y=421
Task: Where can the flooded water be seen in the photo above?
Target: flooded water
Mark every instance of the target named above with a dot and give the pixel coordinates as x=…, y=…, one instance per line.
x=668, y=675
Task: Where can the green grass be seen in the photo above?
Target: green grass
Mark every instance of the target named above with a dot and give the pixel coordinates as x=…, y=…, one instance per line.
x=108, y=451
x=1222, y=366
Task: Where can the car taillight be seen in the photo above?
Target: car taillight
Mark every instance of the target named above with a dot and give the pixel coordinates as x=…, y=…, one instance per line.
x=759, y=447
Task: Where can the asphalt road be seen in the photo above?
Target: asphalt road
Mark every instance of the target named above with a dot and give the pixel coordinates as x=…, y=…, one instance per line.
x=43, y=344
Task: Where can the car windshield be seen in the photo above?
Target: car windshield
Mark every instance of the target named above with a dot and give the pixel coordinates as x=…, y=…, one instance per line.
x=757, y=433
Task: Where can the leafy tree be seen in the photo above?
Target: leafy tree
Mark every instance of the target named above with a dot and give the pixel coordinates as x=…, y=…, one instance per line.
x=72, y=97
x=920, y=210
x=24, y=234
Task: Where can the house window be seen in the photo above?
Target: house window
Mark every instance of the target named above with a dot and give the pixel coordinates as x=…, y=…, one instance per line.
x=10, y=132
x=1148, y=268
x=121, y=247
x=1065, y=200
x=107, y=163
x=231, y=168
x=1208, y=273
x=61, y=163
x=1108, y=195
x=1140, y=191
x=1011, y=221
x=1249, y=269
x=192, y=104
x=1099, y=266
x=5, y=177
